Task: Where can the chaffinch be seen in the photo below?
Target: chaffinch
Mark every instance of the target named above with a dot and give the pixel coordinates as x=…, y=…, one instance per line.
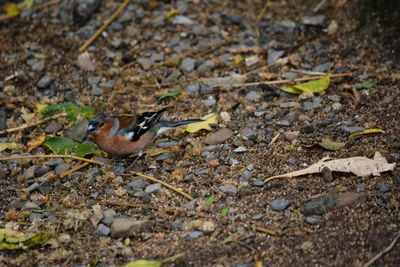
x=125, y=135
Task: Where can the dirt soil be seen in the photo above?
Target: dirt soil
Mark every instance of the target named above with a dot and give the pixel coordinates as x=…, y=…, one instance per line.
x=156, y=46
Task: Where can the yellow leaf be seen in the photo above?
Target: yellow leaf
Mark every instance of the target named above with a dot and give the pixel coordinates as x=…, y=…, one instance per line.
x=313, y=86
x=4, y=146
x=150, y=263
x=172, y=13
x=156, y=151
x=36, y=142
x=12, y=10
x=237, y=60
x=203, y=125
x=291, y=90
x=40, y=107
x=369, y=131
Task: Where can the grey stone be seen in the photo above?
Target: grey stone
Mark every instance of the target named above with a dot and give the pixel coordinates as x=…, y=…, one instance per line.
x=228, y=189
x=107, y=85
x=240, y=149
x=54, y=162
x=210, y=102
x=53, y=127
x=158, y=21
x=35, y=216
x=315, y=219
x=183, y=20
x=193, y=88
x=96, y=91
x=292, y=160
x=248, y=133
x=274, y=55
x=250, y=167
x=308, y=106
x=78, y=131
x=146, y=63
x=192, y=235
x=206, y=89
x=285, y=26
x=218, y=137
x=206, y=66
x=63, y=167
x=327, y=109
x=323, y=67
x=320, y=205
x=313, y=20
x=388, y=99
x=352, y=129
x=44, y=82
x=233, y=161
x=108, y=216
x=102, y=230
x=32, y=187
x=39, y=65
x=252, y=96
x=30, y=172
x=137, y=186
x=85, y=63
x=289, y=75
x=284, y=123
x=187, y=64
x=157, y=57
x=245, y=177
x=127, y=227
x=93, y=80
x=153, y=188
x=176, y=225
x=279, y=204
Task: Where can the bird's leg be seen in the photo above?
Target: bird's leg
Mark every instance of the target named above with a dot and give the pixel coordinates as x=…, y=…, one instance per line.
x=130, y=167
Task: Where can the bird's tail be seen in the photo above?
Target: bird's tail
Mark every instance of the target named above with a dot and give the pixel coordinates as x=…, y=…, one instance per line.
x=166, y=125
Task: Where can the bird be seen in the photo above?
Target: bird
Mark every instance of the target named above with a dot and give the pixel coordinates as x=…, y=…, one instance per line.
x=125, y=135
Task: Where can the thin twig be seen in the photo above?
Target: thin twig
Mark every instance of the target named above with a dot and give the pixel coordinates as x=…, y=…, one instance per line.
x=105, y=25
x=163, y=183
x=263, y=11
x=77, y=168
x=319, y=6
x=292, y=80
x=52, y=156
x=386, y=250
x=274, y=139
x=260, y=229
x=46, y=4
x=28, y=125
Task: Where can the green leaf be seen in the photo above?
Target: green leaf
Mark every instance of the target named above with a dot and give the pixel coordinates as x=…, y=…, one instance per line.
x=71, y=109
x=171, y=93
x=210, y=200
x=10, y=146
x=224, y=211
x=369, y=131
x=10, y=239
x=229, y=239
x=66, y=146
x=316, y=86
x=364, y=85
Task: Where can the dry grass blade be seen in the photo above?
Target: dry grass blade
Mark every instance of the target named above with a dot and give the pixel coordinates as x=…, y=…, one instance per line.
x=260, y=229
x=29, y=125
x=163, y=183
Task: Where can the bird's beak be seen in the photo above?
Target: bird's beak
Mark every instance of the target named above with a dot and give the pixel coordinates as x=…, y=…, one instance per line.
x=91, y=128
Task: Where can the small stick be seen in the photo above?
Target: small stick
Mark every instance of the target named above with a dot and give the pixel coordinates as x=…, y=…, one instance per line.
x=386, y=250
x=319, y=6
x=77, y=168
x=28, y=125
x=163, y=183
x=306, y=72
x=105, y=25
x=260, y=229
x=274, y=139
x=263, y=11
x=292, y=80
x=52, y=156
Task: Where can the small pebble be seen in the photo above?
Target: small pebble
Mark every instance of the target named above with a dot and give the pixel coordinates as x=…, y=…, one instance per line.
x=228, y=189
x=382, y=187
x=279, y=204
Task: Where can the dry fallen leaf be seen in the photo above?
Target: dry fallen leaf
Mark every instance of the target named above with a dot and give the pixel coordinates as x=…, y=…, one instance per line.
x=203, y=125
x=360, y=166
x=36, y=142
x=27, y=115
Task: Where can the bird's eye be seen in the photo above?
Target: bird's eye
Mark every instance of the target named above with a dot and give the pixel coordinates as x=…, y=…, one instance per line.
x=101, y=124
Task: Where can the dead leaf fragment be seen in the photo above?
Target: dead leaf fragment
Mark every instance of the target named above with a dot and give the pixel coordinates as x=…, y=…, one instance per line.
x=36, y=142
x=360, y=166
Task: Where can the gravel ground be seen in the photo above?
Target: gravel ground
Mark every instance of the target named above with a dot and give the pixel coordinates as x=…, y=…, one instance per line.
x=206, y=49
